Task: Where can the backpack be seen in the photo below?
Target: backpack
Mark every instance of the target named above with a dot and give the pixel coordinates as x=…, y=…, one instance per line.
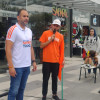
x=95, y=36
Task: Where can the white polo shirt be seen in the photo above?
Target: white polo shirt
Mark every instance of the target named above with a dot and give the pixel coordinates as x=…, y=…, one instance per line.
x=21, y=51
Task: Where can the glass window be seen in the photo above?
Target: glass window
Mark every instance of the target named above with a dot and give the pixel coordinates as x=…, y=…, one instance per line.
x=40, y=13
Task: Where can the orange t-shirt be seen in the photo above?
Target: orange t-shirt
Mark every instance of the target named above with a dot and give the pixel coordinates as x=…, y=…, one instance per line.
x=51, y=52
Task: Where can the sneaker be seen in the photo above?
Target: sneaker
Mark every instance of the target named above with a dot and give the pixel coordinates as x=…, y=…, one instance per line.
x=55, y=97
x=44, y=98
x=99, y=91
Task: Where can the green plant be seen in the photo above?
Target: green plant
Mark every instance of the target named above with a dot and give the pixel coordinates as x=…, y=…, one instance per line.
x=38, y=22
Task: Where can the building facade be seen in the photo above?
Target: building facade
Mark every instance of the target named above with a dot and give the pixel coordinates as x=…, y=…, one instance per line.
x=41, y=13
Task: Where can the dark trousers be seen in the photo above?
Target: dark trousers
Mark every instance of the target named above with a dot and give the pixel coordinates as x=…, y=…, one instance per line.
x=46, y=70
x=94, y=70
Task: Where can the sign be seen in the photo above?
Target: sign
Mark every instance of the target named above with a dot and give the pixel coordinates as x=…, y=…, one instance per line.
x=4, y=13
x=81, y=18
x=60, y=12
x=95, y=20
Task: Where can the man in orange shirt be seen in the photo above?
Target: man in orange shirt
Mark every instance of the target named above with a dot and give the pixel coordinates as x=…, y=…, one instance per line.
x=52, y=43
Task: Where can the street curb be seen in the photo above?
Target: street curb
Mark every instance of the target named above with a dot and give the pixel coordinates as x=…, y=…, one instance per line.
x=4, y=94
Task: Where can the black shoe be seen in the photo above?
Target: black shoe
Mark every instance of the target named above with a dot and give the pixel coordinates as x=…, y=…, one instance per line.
x=99, y=91
x=55, y=97
x=44, y=98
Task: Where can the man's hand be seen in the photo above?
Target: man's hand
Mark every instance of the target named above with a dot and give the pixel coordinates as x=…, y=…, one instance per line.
x=12, y=72
x=34, y=67
x=63, y=62
x=53, y=37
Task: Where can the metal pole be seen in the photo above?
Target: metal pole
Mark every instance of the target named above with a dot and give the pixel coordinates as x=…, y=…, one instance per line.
x=62, y=83
x=71, y=19
x=26, y=4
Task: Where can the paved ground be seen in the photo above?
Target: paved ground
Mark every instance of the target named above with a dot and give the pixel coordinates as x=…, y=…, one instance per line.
x=73, y=89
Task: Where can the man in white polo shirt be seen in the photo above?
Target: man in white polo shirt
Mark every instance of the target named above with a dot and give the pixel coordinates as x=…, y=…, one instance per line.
x=19, y=52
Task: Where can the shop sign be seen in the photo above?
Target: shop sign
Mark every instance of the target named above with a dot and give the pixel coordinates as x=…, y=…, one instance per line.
x=60, y=12
x=95, y=20
x=8, y=14
x=81, y=18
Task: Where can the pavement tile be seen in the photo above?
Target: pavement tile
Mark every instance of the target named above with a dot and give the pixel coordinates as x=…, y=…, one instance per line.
x=73, y=89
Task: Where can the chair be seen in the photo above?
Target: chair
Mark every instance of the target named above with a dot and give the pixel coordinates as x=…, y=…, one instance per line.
x=86, y=67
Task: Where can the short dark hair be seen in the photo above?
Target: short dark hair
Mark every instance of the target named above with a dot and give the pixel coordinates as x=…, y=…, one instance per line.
x=19, y=11
x=92, y=53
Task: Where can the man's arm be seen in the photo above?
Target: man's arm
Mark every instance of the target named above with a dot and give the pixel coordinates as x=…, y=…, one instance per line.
x=42, y=45
x=33, y=59
x=8, y=48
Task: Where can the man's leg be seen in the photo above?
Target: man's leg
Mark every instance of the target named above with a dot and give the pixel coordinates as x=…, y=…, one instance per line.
x=26, y=72
x=55, y=68
x=15, y=84
x=46, y=75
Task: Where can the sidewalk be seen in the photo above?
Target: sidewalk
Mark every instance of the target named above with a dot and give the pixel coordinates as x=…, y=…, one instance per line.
x=73, y=89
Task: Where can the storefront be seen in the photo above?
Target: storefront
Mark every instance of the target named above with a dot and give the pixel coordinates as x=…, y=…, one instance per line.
x=41, y=14
x=81, y=25
x=82, y=22
x=63, y=14
x=75, y=24
x=95, y=23
x=7, y=19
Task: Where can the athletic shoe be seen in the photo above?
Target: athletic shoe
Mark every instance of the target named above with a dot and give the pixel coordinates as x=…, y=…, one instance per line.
x=55, y=97
x=44, y=98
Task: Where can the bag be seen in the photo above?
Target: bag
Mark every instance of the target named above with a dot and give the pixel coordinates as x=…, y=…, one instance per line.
x=95, y=36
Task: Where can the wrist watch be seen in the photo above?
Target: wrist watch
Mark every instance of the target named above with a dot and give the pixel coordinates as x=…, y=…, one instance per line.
x=33, y=61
